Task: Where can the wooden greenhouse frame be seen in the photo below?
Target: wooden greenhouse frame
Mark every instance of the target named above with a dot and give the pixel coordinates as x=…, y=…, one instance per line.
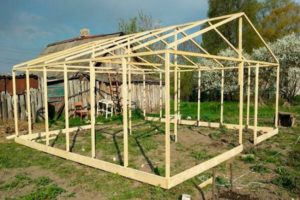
x=83, y=58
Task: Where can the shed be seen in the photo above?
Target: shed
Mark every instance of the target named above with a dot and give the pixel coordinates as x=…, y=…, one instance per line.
x=105, y=83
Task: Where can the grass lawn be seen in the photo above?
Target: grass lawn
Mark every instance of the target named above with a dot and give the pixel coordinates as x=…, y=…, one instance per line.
x=270, y=170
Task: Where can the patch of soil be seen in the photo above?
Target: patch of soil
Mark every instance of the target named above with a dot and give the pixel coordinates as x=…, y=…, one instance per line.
x=35, y=172
x=232, y=195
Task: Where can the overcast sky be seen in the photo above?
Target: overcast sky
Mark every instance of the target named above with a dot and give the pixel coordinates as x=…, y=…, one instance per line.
x=27, y=26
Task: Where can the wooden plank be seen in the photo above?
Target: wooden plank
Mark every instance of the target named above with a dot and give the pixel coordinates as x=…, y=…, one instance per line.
x=194, y=171
x=241, y=80
x=66, y=100
x=92, y=101
x=45, y=87
x=277, y=96
x=54, y=132
x=248, y=97
x=202, y=31
x=99, y=164
x=199, y=98
x=175, y=91
x=222, y=98
x=266, y=136
x=206, y=183
x=179, y=94
x=160, y=95
x=129, y=93
x=144, y=94
x=125, y=112
x=256, y=105
x=167, y=114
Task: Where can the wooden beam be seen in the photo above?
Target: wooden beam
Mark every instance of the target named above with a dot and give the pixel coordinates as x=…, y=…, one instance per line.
x=45, y=87
x=248, y=97
x=256, y=105
x=167, y=116
x=241, y=80
x=179, y=94
x=277, y=96
x=125, y=112
x=222, y=97
x=92, y=100
x=175, y=91
x=39, y=135
x=194, y=171
x=66, y=99
x=261, y=38
x=199, y=98
x=211, y=124
x=129, y=91
x=144, y=95
x=202, y=31
x=160, y=95
x=99, y=164
x=266, y=136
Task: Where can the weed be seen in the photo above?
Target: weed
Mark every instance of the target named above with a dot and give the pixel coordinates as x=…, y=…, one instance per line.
x=48, y=192
x=220, y=181
x=248, y=158
x=200, y=155
x=42, y=181
x=259, y=168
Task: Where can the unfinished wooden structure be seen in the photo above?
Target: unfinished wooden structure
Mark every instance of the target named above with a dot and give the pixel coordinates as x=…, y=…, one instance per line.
x=164, y=61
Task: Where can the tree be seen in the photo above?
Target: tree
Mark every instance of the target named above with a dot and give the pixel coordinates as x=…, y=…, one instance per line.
x=279, y=18
x=287, y=49
x=212, y=41
x=141, y=22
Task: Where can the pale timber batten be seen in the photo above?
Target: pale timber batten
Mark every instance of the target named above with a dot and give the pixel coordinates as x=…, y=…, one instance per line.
x=133, y=59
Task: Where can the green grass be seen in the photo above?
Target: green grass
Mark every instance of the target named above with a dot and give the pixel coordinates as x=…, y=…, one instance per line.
x=49, y=192
x=20, y=181
x=200, y=155
x=282, y=152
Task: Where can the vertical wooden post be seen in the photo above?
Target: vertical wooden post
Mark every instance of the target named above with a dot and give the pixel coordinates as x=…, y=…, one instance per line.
x=241, y=81
x=199, y=98
x=175, y=92
x=28, y=102
x=15, y=99
x=125, y=113
x=277, y=96
x=144, y=94
x=256, y=104
x=46, y=104
x=92, y=100
x=167, y=114
x=129, y=92
x=179, y=93
x=222, y=97
x=248, y=97
x=160, y=95
x=66, y=98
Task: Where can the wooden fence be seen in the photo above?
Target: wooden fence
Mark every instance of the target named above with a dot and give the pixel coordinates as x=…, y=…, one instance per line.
x=79, y=91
